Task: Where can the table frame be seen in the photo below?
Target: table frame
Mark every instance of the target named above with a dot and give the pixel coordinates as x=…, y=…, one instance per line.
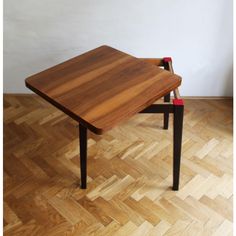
x=176, y=108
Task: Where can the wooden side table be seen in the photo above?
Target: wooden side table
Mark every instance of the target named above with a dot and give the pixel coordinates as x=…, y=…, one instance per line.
x=104, y=87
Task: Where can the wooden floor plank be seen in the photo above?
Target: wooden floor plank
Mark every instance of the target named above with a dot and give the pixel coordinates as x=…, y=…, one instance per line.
x=130, y=173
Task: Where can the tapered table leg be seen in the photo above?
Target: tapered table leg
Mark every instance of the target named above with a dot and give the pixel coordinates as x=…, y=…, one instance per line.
x=166, y=114
x=178, y=129
x=167, y=61
x=83, y=155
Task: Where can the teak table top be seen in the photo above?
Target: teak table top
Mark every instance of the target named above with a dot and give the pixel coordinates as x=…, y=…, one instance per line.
x=103, y=87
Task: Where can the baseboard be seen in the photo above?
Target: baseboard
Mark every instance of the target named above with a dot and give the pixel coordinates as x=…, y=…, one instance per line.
x=20, y=94
x=205, y=97
x=184, y=97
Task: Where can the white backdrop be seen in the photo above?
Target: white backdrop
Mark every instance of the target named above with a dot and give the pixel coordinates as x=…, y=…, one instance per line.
x=196, y=34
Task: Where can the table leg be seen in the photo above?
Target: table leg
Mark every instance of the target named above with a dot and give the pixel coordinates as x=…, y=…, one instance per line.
x=167, y=61
x=166, y=114
x=83, y=155
x=178, y=129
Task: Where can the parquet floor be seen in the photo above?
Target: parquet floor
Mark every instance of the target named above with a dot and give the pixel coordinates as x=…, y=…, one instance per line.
x=130, y=174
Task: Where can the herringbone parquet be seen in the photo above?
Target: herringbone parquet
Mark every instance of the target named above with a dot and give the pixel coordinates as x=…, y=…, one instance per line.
x=129, y=169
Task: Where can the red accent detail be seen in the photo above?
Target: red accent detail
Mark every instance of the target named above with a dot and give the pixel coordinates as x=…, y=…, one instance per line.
x=178, y=102
x=167, y=59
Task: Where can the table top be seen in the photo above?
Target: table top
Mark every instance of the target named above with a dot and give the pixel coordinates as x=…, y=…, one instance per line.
x=103, y=87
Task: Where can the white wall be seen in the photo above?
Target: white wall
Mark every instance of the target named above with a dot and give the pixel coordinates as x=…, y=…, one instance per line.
x=197, y=34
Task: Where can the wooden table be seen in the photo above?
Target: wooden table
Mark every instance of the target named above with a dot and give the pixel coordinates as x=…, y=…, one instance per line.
x=104, y=87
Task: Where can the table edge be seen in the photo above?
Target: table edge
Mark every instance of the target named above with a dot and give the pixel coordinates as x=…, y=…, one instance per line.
x=64, y=109
x=91, y=127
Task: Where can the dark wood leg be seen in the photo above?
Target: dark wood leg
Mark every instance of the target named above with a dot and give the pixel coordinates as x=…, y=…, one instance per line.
x=83, y=155
x=166, y=114
x=178, y=129
x=166, y=61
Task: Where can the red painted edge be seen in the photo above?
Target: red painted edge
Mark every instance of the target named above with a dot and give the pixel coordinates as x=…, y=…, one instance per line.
x=178, y=102
x=167, y=59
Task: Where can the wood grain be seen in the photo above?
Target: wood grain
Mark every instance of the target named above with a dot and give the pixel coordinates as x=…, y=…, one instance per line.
x=154, y=61
x=129, y=173
x=103, y=87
